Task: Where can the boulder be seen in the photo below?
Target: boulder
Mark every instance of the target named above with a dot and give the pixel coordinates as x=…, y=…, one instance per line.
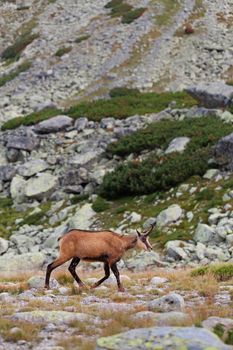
x=55, y=124
x=177, y=145
x=7, y=172
x=175, y=250
x=83, y=218
x=26, y=143
x=24, y=262
x=41, y=186
x=169, y=302
x=213, y=95
x=213, y=321
x=81, y=124
x=144, y=260
x=223, y=152
x=204, y=233
x=32, y=167
x=55, y=317
x=74, y=177
x=17, y=189
x=158, y=280
x=169, y=215
x=163, y=338
x=4, y=245
x=38, y=282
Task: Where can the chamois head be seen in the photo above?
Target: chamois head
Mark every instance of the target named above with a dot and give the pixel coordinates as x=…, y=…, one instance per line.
x=143, y=241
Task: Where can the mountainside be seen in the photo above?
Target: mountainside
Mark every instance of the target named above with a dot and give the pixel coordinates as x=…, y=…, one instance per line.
x=116, y=116
x=79, y=49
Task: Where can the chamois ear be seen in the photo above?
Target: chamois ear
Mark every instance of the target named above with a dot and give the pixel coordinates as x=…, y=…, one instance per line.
x=146, y=233
x=139, y=234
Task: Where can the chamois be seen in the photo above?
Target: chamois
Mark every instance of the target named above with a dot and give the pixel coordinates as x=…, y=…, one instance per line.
x=104, y=246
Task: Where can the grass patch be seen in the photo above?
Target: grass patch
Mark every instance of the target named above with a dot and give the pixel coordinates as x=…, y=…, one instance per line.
x=82, y=38
x=31, y=119
x=14, y=51
x=13, y=74
x=26, y=331
x=169, y=9
x=160, y=173
x=132, y=15
x=78, y=198
x=62, y=51
x=128, y=14
x=119, y=107
x=100, y=205
x=5, y=202
x=222, y=272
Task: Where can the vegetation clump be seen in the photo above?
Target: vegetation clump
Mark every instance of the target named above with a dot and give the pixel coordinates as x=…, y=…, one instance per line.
x=14, y=51
x=31, y=119
x=124, y=103
x=127, y=13
x=82, y=38
x=5, y=78
x=62, y=51
x=222, y=272
x=100, y=205
x=162, y=172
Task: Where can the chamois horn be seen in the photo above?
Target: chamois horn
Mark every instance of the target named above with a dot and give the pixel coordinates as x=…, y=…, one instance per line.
x=147, y=232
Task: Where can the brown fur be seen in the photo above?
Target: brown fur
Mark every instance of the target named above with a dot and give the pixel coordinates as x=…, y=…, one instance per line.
x=105, y=246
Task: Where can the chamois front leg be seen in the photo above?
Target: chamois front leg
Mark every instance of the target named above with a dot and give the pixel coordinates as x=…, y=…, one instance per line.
x=74, y=263
x=117, y=275
x=107, y=274
x=58, y=262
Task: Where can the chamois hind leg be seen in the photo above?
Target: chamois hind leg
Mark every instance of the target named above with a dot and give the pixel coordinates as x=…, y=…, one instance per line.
x=107, y=274
x=117, y=275
x=74, y=263
x=58, y=262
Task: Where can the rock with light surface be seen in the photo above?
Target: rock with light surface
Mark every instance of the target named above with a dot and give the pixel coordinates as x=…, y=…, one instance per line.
x=169, y=215
x=204, y=233
x=39, y=281
x=55, y=124
x=177, y=145
x=4, y=245
x=83, y=217
x=23, y=262
x=163, y=338
x=41, y=186
x=17, y=189
x=169, y=302
x=158, y=280
x=32, y=167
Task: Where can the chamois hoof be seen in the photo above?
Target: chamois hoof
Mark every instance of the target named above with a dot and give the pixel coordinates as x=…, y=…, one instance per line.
x=121, y=289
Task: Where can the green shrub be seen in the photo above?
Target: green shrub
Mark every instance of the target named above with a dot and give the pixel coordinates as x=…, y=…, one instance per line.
x=132, y=15
x=62, y=51
x=82, y=38
x=202, y=131
x=126, y=106
x=31, y=119
x=14, y=51
x=13, y=74
x=120, y=10
x=222, y=272
x=151, y=175
x=33, y=219
x=123, y=91
x=113, y=3
x=100, y=205
x=160, y=173
x=117, y=107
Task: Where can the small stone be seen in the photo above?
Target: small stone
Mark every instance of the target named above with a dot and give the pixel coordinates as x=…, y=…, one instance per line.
x=158, y=280
x=169, y=302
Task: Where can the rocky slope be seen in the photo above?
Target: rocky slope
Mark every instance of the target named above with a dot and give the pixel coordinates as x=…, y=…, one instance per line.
x=151, y=53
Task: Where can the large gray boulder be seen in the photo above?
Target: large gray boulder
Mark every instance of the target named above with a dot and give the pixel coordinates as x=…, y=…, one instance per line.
x=204, y=233
x=17, y=189
x=163, y=338
x=169, y=302
x=55, y=124
x=32, y=167
x=169, y=215
x=41, y=186
x=7, y=172
x=26, y=143
x=213, y=95
x=24, y=262
x=223, y=152
x=177, y=145
x=83, y=218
